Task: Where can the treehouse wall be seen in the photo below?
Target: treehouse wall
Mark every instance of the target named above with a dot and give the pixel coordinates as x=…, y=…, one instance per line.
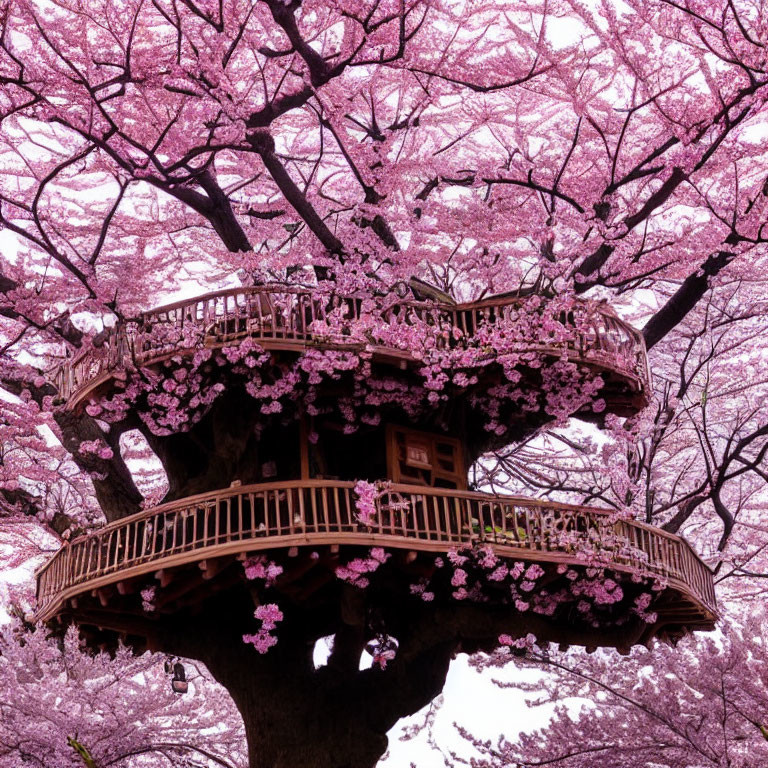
x=235, y=441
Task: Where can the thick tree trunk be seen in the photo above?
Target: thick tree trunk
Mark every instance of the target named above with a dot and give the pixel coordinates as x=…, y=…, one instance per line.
x=335, y=716
x=301, y=717
x=296, y=715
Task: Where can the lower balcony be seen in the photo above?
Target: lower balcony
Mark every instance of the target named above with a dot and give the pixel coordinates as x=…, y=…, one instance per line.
x=204, y=534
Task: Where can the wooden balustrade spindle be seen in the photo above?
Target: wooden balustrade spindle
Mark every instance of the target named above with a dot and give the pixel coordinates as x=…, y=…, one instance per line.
x=327, y=508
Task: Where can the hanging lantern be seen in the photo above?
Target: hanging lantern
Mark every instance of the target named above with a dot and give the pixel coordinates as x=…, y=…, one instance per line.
x=179, y=682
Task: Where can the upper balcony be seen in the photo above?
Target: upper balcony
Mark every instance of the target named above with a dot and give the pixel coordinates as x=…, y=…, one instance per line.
x=287, y=319
x=183, y=547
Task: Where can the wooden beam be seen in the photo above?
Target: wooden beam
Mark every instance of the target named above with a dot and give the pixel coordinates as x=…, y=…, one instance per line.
x=140, y=626
x=164, y=576
x=211, y=567
x=195, y=596
x=304, y=447
x=126, y=587
x=103, y=593
x=181, y=587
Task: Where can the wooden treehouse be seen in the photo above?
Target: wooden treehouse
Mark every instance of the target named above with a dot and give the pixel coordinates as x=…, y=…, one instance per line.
x=243, y=482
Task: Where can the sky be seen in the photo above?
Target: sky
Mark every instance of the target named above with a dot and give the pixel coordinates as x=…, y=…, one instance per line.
x=473, y=701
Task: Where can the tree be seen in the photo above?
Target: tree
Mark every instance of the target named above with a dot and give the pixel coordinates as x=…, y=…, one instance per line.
x=65, y=707
x=546, y=148
x=702, y=445
x=700, y=704
x=609, y=179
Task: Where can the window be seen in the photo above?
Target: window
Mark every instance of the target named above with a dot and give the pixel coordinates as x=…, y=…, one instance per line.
x=420, y=458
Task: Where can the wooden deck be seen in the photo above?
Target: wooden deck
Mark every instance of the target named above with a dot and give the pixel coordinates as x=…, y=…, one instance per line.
x=317, y=513
x=283, y=319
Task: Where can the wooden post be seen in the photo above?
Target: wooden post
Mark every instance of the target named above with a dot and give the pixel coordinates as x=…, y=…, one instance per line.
x=304, y=446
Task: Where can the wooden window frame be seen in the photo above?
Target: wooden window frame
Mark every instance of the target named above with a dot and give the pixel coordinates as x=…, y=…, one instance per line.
x=427, y=444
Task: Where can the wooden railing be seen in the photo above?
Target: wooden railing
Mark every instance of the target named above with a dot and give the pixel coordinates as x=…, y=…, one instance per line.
x=317, y=512
x=281, y=317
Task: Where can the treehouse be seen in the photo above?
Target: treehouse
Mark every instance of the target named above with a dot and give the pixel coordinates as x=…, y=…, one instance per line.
x=332, y=437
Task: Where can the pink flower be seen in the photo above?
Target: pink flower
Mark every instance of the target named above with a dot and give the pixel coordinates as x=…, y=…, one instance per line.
x=498, y=574
x=534, y=572
x=259, y=567
x=459, y=578
x=457, y=559
x=366, y=502
x=147, y=599
x=269, y=614
x=517, y=570
x=643, y=601
x=262, y=641
x=379, y=554
x=486, y=558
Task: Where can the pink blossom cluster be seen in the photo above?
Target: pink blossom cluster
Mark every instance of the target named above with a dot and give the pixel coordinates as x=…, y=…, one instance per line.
x=642, y=603
x=353, y=571
x=262, y=568
x=474, y=569
x=527, y=642
x=478, y=575
x=168, y=400
x=148, y=598
x=568, y=389
x=420, y=589
x=601, y=590
x=270, y=615
x=366, y=502
x=176, y=396
x=96, y=448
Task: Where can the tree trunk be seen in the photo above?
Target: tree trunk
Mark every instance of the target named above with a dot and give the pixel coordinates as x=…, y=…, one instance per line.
x=335, y=716
x=302, y=718
x=296, y=715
